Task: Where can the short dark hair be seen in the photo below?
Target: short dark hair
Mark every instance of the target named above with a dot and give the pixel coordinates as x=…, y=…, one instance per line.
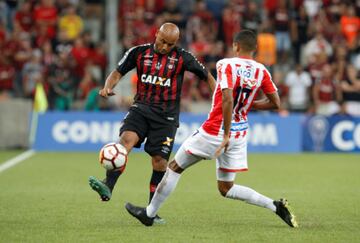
x=246, y=39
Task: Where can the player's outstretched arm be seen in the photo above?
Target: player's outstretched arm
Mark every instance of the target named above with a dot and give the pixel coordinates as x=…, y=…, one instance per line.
x=272, y=102
x=110, y=83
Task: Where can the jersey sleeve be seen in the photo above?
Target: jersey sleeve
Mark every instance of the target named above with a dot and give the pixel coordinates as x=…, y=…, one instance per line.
x=224, y=75
x=267, y=85
x=128, y=61
x=194, y=66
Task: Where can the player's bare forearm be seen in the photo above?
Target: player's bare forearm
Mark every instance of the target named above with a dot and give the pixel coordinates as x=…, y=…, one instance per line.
x=271, y=102
x=227, y=106
x=110, y=83
x=212, y=82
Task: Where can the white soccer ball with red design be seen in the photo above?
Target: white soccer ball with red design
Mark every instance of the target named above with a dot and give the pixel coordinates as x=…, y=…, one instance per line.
x=113, y=156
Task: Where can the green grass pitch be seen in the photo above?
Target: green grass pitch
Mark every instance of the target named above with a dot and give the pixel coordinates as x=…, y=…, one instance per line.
x=47, y=199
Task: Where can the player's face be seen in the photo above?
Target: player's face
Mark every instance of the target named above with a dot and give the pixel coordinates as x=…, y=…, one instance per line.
x=164, y=43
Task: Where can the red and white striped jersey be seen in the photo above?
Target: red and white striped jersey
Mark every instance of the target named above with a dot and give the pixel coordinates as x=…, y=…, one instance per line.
x=245, y=77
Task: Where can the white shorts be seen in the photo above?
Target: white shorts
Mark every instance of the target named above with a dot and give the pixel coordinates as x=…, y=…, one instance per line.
x=202, y=145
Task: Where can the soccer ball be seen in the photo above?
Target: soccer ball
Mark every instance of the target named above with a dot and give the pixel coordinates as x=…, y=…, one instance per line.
x=113, y=156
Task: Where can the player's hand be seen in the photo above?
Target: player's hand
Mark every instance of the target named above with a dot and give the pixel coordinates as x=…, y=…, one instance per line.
x=106, y=92
x=223, y=146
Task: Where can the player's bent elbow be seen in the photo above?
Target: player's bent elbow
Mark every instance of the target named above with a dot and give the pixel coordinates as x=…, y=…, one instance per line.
x=277, y=105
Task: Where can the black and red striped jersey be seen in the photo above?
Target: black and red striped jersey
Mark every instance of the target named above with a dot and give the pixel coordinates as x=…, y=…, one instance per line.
x=160, y=76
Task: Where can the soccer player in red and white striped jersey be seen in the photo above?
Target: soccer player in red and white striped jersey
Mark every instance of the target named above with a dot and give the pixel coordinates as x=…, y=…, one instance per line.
x=224, y=134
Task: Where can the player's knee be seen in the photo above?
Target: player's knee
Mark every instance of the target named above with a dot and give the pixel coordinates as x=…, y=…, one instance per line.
x=175, y=167
x=224, y=187
x=129, y=140
x=159, y=163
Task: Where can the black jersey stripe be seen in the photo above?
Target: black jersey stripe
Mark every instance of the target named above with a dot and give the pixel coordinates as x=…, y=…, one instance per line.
x=156, y=75
x=143, y=69
x=149, y=86
x=167, y=71
x=176, y=83
x=140, y=67
x=171, y=74
x=159, y=88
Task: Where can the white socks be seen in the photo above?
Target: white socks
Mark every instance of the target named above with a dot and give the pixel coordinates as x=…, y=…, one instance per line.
x=171, y=178
x=163, y=191
x=250, y=196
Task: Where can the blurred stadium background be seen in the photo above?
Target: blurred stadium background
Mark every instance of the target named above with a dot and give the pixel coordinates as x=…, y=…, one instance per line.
x=55, y=55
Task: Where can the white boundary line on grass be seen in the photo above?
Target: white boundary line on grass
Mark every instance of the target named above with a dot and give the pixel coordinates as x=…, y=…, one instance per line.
x=16, y=160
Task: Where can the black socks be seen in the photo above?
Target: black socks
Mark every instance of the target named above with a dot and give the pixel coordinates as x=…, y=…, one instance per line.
x=111, y=178
x=155, y=180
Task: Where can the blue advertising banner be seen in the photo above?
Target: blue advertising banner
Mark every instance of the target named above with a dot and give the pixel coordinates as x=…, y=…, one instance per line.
x=87, y=131
x=336, y=133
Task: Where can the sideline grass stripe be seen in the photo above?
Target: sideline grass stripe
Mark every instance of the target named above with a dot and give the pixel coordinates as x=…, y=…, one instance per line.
x=16, y=160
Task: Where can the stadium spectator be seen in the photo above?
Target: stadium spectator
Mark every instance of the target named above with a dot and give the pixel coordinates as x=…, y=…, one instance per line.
x=32, y=73
x=231, y=22
x=327, y=93
x=24, y=18
x=299, y=33
x=317, y=46
x=48, y=55
x=81, y=54
x=45, y=16
x=281, y=19
x=7, y=75
x=94, y=18
x=350, y=26
x=172, y=13
x=201, y=22
x=299, y=83
x=62, y=83
x=251, y=19
x=312, y=7
x=71, y=23
x=351, y=92
x=266, y=46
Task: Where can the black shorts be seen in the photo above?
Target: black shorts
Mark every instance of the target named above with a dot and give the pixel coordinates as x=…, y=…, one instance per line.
x=154, y=126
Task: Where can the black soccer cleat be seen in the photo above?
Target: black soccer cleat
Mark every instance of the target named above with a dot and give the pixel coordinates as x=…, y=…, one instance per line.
x=284, y=212
x=140, y=214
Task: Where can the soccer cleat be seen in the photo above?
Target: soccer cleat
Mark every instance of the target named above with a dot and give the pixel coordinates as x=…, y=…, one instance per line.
x=284, y=212
x=159, y=220
x=100, y=187
x=140, y=214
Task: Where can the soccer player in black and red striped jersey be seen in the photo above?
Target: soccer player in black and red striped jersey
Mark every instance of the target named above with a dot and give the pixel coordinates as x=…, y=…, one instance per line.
x=154, y=114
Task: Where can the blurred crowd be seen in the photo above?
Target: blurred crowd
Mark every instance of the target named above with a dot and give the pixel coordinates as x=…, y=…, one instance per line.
x=311, y=47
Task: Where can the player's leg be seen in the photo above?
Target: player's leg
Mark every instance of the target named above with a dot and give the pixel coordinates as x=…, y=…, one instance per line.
x=167, y=185
x=105, y=187
x=132, y=133
x=128, y=139
x=196, y=148
x=235, y=160
x=182, y=161
x=228, y=189
x=159, y=165
x=159, y=144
